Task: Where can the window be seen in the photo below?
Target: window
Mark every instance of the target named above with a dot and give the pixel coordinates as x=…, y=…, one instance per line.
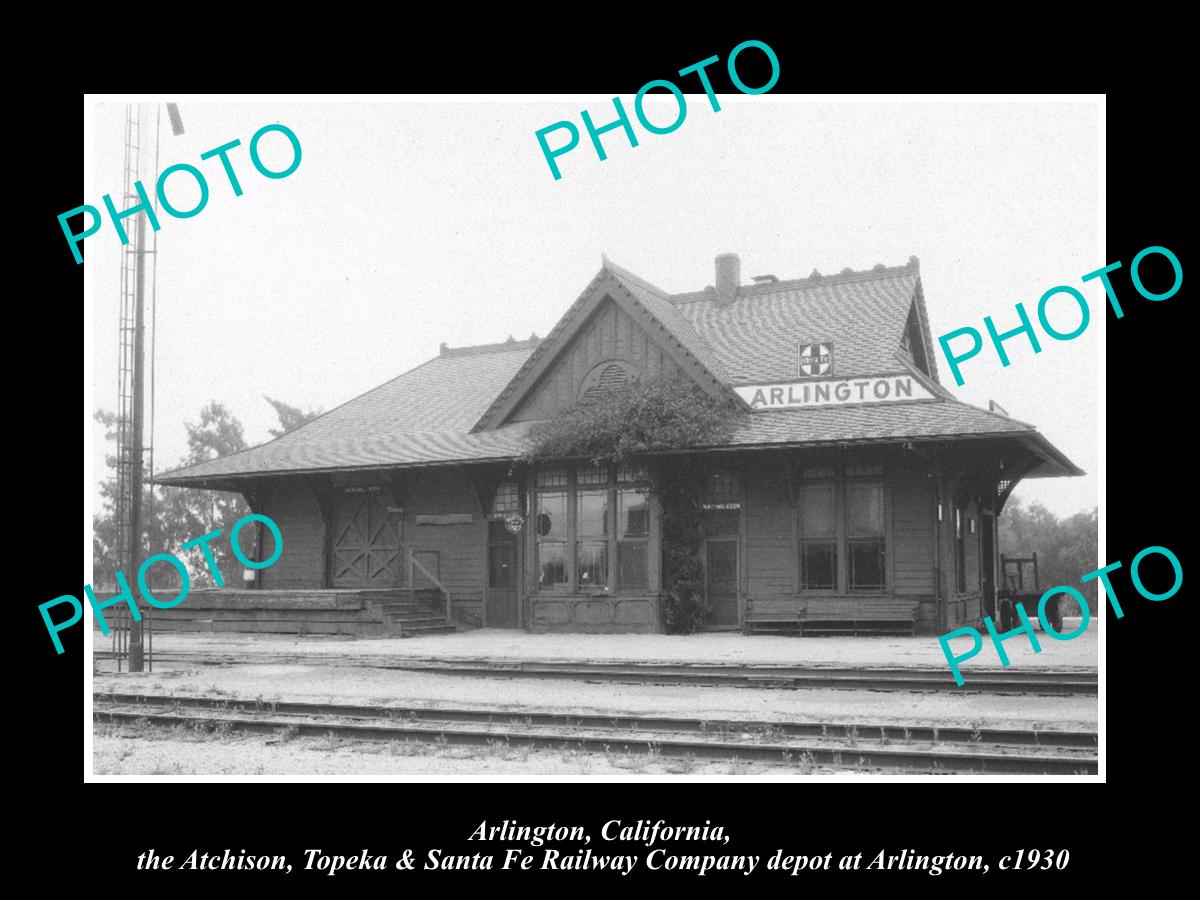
x=818, y=532
x=633, y=538
x=864, y=534
x=551, y=528
x=606, y=378
x=604, y=518
x=591, y=545
x=507, y=499
x=842, y=532
x=552, y=538
x=722, y=487
x=722, y=506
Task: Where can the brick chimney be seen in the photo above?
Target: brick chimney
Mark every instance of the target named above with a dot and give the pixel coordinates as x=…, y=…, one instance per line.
x=729, y=277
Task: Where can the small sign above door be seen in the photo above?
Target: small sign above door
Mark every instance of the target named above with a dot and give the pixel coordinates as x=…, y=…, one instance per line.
x=514, y=522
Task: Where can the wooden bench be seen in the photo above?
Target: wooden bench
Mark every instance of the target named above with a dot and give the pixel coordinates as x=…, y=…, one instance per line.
x=771, y=623
x=856, y=616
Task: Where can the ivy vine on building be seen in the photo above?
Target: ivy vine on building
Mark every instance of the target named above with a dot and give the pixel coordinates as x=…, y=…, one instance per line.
x=652, y=423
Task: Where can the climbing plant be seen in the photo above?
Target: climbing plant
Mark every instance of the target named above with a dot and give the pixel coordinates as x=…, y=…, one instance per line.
x=649, y=422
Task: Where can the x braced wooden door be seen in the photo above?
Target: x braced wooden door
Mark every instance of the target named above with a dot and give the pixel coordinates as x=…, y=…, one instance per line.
x=366, y=541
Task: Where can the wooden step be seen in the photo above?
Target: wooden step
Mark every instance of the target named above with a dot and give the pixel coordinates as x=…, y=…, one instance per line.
x=418, y=621
x=408, y=630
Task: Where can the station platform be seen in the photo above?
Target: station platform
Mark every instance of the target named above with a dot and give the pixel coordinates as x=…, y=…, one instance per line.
x=922, y=651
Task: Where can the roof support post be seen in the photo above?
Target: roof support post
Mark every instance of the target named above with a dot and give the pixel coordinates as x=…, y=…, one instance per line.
x=321, y=489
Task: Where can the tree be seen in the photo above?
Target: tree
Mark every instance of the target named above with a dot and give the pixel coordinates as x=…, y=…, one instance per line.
x=188, y=513
x=171, y=516
x=290, y=417
x=1066, y=548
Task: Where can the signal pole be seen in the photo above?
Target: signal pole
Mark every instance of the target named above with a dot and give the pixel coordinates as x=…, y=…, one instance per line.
x=133, y=551
x=136, y=647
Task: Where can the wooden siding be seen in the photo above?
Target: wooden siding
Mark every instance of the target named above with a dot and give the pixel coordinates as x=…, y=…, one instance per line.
x=461, y=547
x=606, y=614
x=443, y=516
x=291, y=506
x=610, y=335
x=914, y=522
x=768, y=521
x=771, y=540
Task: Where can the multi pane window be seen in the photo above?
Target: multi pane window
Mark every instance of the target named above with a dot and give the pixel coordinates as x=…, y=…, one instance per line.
x=633, y=538
x=864, y=534
x=551, y=527
x=591, y=543
x=507, y=499
x=603, y=517
x=841, y=514
x=818, y=530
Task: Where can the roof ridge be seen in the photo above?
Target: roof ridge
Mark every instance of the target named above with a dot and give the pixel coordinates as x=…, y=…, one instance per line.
x=622, y=272
x=912, y=267
x=473, y=349
x=540, y=349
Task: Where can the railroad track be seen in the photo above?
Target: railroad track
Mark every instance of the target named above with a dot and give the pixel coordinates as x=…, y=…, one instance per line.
x=1023, y=681
x=854, y=745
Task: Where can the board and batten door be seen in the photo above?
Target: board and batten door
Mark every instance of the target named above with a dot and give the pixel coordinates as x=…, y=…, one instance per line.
x=721, y=581
x=502, y=554
x=366, y=541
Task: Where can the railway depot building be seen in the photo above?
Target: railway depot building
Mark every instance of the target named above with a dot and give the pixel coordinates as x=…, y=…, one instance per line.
x=854, y=495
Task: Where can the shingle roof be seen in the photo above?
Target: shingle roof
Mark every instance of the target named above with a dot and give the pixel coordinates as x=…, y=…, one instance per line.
x=756, y=336
x=825, y=425
x=926, y=418
x=423, y=415
x=659, y=305
x=426, y=415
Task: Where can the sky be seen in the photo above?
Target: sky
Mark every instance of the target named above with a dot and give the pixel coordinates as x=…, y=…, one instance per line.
x=408, y=224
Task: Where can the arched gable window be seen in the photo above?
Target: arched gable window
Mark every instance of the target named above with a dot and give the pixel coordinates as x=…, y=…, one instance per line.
x=606, y=377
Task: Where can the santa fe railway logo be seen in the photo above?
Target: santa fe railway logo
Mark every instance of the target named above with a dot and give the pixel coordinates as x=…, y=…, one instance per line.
x=816, y=359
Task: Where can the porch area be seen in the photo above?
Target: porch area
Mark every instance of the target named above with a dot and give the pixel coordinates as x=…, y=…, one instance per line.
x=395, y=613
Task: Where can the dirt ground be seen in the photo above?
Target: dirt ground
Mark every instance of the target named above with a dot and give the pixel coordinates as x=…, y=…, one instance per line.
x=131, y=750
x=148, y=750
x=922, y=651
x=330, y=684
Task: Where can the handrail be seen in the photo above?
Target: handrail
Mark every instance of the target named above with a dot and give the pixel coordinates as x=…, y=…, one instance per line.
x=412, y=563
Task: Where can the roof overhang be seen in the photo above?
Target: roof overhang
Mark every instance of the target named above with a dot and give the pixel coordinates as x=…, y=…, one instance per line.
x=1052, y=462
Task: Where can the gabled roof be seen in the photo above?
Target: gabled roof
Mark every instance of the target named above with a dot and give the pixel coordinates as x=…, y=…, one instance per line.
x=647, y=305
x=454, y=408
x=659, y=304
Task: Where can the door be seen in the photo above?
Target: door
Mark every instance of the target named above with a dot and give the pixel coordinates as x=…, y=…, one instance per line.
x=721, y=581
x=502, y=577
x=366, y=541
